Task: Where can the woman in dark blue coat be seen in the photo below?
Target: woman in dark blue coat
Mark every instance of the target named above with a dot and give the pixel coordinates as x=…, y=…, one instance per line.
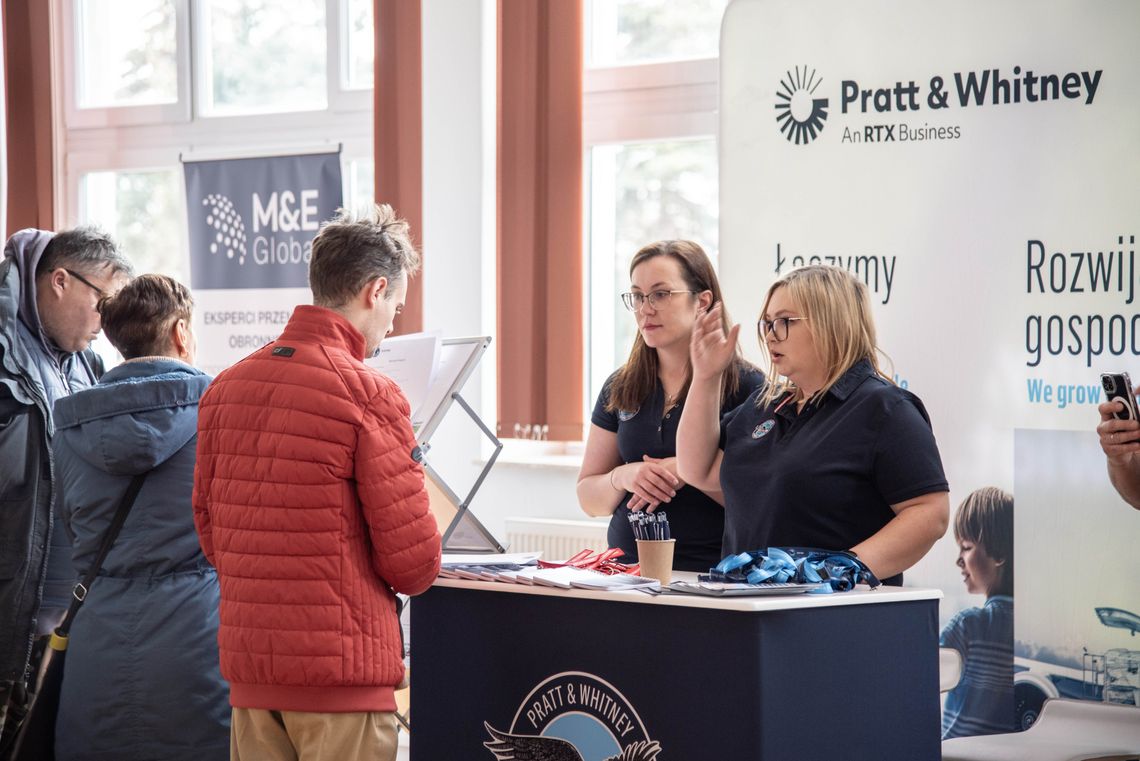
x=141, y=679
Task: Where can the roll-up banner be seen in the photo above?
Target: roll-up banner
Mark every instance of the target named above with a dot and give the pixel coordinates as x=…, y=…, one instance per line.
x=252, y=222
x=978, y=166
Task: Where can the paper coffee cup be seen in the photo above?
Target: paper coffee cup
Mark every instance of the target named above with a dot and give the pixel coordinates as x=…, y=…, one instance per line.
x=656, y=558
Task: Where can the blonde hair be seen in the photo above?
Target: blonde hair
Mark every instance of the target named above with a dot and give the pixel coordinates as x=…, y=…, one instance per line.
x=838, y=311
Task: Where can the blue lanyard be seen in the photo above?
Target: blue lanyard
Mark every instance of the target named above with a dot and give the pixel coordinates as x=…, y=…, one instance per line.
x=840, y=571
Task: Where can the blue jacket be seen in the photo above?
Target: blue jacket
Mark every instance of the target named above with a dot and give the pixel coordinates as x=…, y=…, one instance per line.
x=141, y=680
x=33, y=375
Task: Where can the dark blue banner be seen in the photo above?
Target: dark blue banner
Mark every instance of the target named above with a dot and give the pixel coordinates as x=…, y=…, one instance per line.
x=252, y=221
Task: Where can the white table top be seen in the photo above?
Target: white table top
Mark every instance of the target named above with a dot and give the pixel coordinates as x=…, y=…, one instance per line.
x=859, y=596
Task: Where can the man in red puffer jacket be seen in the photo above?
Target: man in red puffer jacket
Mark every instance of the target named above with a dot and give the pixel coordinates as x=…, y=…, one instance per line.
x=310, y=506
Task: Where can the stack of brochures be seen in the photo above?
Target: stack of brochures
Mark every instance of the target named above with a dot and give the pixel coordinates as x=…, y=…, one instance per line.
x=522, y=568
x=734, y=589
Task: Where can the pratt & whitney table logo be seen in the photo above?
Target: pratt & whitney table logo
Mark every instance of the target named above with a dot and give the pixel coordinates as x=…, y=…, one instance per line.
x=800, y=114
x=573, y=716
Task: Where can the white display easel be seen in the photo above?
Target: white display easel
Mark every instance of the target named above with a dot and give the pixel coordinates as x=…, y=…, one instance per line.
x=464, y=532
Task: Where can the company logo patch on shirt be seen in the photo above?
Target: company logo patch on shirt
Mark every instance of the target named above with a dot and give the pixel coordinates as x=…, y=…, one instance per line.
x=283, y=351
x=624, y=416
x=763, y=429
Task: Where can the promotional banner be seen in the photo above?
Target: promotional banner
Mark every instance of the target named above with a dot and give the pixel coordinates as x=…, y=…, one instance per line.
x=978, y=171
x=252, y=222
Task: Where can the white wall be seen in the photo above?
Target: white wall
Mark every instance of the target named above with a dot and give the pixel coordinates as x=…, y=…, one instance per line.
x=459, y=257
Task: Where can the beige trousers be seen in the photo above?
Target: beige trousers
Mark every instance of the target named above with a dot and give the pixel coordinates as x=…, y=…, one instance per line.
x=260, y=735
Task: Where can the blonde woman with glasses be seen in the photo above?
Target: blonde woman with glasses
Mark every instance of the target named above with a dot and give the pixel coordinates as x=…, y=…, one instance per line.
x=630, y=461
x=830, y=454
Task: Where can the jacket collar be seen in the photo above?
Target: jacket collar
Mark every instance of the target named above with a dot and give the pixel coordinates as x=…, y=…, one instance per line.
x=326, y=327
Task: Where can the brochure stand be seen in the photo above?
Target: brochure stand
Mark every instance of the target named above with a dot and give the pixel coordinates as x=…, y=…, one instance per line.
x=464, y=533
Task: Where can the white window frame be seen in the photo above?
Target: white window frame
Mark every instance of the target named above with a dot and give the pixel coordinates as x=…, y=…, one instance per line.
x=341, y=96
x=119, y=116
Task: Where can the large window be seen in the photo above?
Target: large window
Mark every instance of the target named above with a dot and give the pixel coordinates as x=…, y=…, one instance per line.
x=262, y=56
x=150, y=82
x=650, y=125
x=126, y=53
x=356, y=73
x=625, y=32
x=144, y=211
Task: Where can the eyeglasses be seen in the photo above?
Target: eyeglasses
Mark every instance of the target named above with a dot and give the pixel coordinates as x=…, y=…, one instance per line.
x=777, y=327
x=99, y=291
x=635, y=300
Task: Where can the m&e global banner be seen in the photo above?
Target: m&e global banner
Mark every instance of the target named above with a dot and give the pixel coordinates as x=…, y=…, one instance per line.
x=252, y=222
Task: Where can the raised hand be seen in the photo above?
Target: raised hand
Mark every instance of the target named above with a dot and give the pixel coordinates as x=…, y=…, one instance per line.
x=710, y=349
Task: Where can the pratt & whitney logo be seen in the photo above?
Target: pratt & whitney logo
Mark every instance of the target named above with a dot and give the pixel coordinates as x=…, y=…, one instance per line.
x=800, y=114
x=573, y=716
x=281, y=213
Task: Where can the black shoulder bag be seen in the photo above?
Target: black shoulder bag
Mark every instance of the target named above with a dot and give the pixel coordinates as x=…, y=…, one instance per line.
x=36, y=738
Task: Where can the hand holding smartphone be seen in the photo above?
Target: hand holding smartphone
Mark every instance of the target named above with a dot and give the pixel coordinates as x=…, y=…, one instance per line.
x=1118, y=388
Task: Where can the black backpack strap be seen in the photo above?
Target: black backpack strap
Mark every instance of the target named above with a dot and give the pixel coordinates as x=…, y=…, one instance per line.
x=93, y=362
x=79, y=593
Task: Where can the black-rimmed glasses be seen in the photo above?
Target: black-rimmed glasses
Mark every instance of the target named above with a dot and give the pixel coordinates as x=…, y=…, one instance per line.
x=777, y=327
x=635, y=300
x=99, y=291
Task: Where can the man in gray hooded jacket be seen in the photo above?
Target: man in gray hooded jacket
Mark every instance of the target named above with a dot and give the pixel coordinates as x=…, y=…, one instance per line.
x=50, y=287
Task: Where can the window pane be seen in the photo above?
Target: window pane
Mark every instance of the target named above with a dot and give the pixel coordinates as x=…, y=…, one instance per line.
x=359, y=45
x=640, y=193
x=127, y=53
x=640, y=31
x=143, y=210
x=361, y=185
x=264, y=56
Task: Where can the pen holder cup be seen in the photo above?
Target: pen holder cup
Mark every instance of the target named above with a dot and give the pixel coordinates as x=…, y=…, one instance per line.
x=656, y=558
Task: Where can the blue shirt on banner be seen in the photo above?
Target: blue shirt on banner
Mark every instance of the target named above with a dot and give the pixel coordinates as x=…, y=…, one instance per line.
x=982, y=703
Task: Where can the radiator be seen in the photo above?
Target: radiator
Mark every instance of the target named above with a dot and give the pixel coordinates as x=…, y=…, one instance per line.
x=556, y=538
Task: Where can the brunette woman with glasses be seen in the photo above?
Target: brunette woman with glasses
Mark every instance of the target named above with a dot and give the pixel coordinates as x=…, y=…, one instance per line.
x=830, y=454
x=630, y=462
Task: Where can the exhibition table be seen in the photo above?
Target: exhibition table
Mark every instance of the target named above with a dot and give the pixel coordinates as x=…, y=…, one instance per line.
x=503, y=670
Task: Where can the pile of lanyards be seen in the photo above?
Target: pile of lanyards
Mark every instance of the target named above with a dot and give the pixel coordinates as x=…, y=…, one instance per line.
x=603, y=562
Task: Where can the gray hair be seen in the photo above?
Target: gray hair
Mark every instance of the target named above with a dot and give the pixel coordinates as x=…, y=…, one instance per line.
x=87, y=249
x=353, y=250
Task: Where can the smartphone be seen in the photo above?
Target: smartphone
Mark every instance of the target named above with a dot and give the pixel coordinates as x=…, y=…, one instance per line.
x=1118, y=388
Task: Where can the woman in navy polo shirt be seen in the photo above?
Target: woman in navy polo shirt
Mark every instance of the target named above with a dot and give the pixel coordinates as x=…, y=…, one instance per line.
x=630, y=461
x=831, y=454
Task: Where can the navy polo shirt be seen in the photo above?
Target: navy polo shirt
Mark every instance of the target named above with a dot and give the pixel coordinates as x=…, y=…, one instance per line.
x=827, y=476
x=695, y=520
